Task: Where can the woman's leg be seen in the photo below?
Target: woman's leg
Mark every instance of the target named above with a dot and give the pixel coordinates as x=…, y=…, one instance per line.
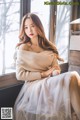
x=75, y=93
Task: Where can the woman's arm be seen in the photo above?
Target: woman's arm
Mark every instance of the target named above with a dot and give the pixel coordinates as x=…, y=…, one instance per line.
x=56, y=67
x=21, y=72
x=53, y=70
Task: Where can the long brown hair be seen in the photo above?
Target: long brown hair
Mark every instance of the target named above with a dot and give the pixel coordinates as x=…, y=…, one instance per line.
x=42, y=40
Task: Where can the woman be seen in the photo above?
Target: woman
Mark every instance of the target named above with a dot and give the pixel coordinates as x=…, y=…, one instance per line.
x=46, y=94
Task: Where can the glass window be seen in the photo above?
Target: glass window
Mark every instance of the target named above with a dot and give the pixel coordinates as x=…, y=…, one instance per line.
x=9, y=31
x=62, y=30
x=43, y=11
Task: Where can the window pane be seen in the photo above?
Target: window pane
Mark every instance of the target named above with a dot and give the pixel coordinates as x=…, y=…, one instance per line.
x=9, y=30
x=62, y=30
x=43, y=11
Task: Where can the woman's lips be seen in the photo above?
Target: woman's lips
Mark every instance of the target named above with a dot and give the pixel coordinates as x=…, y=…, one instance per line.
x=31, y=34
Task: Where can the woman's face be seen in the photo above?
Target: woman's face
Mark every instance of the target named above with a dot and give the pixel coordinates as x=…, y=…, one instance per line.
x=30, y=28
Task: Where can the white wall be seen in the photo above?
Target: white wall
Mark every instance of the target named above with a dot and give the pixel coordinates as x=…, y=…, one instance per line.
x=75, y=42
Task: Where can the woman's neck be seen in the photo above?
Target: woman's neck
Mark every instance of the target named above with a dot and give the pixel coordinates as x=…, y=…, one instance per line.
x=34, y=41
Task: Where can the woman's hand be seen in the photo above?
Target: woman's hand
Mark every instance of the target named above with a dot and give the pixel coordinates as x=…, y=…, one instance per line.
x=52, y=72
x=47, y=73
x=55, y=72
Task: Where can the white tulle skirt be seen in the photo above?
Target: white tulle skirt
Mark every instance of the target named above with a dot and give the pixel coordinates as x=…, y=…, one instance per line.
x=46, y=99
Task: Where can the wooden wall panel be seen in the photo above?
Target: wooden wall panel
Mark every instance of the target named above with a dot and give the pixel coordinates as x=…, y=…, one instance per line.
x=74, y=61
x=74, y=57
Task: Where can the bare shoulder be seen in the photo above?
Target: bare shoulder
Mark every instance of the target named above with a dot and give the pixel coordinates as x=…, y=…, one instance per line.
x=24, y=46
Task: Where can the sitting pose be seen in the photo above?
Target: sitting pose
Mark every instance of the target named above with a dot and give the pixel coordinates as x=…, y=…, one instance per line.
x=46, y=94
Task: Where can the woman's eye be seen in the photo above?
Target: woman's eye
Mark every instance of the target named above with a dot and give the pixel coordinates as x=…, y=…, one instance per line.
x=26, y=27
x=32, y=26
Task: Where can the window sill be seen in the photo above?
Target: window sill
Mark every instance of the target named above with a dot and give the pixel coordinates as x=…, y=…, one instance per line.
x=9, y=79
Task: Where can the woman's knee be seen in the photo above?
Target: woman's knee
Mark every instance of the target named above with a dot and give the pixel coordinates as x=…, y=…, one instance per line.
x=75, y=84
x=73, y=81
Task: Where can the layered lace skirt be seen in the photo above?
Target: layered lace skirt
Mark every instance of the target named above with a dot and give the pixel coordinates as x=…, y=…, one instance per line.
x=46, y=99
